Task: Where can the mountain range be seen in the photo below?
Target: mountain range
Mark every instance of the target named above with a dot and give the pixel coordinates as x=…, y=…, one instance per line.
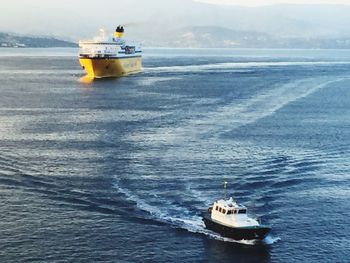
x=186, y=23
x=14, y=40
x=220, y=37
x=195, y=24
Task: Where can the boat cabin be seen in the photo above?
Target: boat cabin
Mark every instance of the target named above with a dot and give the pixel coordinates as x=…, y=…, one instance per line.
x=228, y=212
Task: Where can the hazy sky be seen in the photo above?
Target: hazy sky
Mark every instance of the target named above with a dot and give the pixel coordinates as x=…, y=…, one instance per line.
x=81, y=18
x=271, y=2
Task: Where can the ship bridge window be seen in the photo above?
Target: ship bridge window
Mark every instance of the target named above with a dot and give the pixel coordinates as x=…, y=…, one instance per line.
x=220, y=209
x=216, y=208
x=230, y=212
x=129, y=50
x=242, y=211
x=223, y=211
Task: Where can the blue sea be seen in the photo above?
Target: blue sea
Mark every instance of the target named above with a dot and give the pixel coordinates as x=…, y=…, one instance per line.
x=120, y=170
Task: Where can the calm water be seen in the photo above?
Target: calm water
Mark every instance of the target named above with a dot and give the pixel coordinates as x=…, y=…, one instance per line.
x=120, y=170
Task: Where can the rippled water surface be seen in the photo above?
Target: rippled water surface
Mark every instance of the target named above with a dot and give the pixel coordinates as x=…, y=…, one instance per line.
x=120, y=170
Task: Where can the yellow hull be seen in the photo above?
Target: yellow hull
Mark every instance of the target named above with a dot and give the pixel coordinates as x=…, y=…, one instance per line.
x=110, y=67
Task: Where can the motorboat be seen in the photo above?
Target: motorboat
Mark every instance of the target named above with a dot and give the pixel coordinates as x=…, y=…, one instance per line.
x=230, y=219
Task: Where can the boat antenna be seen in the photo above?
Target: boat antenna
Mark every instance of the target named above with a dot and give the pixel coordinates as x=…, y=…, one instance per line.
x=225, y=187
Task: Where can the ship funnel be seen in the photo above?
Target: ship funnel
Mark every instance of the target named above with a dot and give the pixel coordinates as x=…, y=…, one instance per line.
x=119, y=32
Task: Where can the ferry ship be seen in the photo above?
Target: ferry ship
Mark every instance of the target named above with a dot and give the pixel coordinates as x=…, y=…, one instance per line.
x=110, y=56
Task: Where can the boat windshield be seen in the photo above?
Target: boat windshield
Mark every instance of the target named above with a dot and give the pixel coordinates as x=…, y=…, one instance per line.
x=242, y=211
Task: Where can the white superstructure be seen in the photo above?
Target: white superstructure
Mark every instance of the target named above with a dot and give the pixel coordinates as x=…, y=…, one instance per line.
x=231, y=214
x=109, y=46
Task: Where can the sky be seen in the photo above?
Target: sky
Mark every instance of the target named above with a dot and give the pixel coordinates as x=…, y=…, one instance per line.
x=72, y=19
x=253, y=3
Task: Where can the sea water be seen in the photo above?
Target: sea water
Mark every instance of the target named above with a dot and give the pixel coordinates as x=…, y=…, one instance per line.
x=120, y=170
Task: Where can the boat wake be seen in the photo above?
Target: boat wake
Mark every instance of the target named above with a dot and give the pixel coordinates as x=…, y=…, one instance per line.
x=237, y=114
x=186, y=221
x=269, y=240
x=192, y=222
x=240, y=66
x=151, y=81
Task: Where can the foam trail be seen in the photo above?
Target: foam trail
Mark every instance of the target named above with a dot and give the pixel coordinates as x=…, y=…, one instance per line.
x=240, y=65
x=235, y=114
x=150, y=81
x=269, y=240
x=192, y=224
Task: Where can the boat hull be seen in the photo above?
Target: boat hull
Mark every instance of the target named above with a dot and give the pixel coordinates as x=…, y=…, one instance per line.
x=111, y=67
x=237, y=233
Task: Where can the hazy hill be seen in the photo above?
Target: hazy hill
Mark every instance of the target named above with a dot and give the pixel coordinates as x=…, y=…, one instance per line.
x=220, y=37
x=285, y=20
x=12, y=40
x=186, y=23
x=194, y=24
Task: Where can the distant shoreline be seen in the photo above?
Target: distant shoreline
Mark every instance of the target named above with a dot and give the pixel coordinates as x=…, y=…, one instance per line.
x=186, y=48
x=17, y=41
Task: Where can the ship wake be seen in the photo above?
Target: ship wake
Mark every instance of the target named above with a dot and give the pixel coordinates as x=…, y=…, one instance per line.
x=238, y=66
x=182, y=219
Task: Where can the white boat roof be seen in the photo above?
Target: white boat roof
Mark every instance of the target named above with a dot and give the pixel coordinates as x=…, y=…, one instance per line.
x=229, y=204
x=229, y=213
